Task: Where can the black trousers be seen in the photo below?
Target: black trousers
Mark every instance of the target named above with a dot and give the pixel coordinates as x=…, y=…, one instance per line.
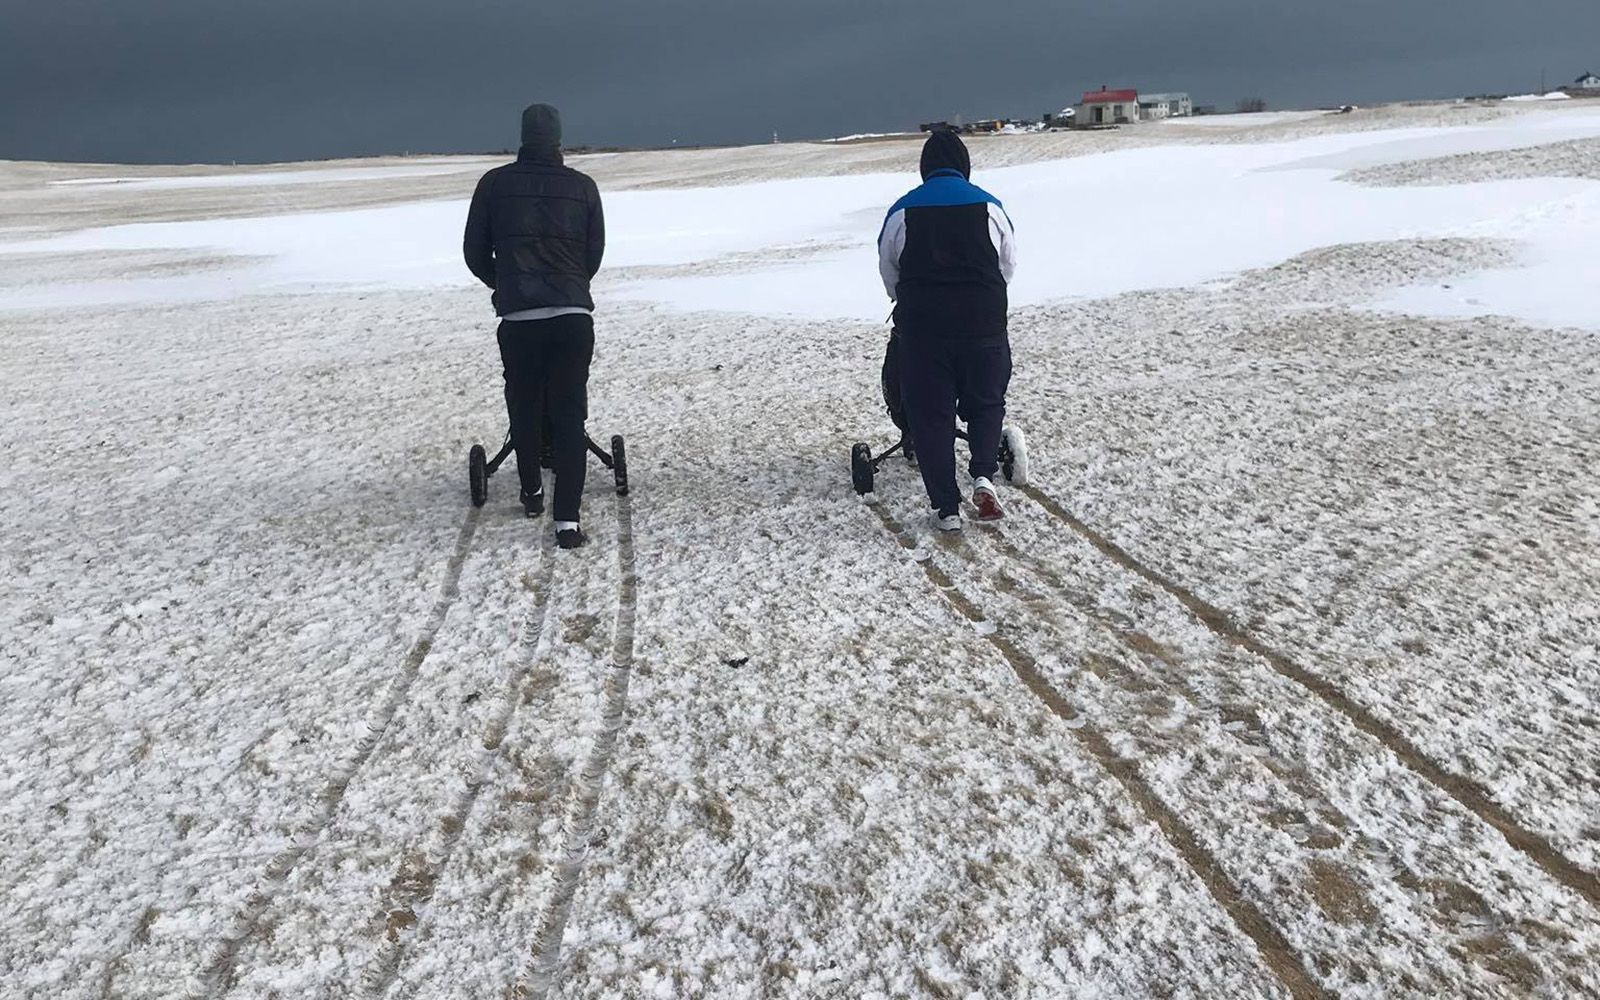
x=945, y=376
x=547, y=374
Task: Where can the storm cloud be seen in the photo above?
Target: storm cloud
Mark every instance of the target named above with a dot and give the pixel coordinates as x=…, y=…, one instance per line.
x=252, y=81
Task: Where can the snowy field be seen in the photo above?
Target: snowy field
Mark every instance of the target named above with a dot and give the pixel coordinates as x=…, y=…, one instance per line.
x=1281, y=680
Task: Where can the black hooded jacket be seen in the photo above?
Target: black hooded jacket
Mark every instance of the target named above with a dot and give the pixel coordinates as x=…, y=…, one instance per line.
x=535, y=232
x=947, y=250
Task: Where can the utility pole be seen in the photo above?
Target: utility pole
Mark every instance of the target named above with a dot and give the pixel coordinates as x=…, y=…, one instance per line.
x=1542, y=90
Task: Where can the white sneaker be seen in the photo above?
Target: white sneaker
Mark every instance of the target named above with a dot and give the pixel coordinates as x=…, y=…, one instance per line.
x=984, y=498
x=947, y=522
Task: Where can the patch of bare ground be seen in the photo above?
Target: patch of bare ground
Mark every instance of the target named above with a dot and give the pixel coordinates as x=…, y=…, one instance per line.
x=1351, y=272
x=1577, y=158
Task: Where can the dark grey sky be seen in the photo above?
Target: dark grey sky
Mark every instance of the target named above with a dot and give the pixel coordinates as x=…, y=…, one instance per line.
x=263, y=80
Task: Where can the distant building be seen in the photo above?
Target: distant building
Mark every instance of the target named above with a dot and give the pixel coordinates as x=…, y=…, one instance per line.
x=1587, y=81
x=1153, y=107
x=1109, y=107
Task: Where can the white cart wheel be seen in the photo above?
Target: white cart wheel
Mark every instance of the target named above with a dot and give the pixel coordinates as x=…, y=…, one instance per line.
x=1014, y=455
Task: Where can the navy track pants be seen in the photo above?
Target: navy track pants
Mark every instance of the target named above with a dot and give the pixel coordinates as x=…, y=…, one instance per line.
x=944, y=377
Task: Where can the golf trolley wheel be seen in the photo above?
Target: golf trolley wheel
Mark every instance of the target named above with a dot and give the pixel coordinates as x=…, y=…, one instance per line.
x=861, y=469
x=619, y=464
x=478, y=475
x=1014, y=455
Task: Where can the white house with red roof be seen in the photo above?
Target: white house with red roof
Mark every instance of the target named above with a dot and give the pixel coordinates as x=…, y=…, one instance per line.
x=1109, y=107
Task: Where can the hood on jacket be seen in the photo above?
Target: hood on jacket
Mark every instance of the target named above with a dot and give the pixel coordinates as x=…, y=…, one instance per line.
x=944, y=150
x=541, y=127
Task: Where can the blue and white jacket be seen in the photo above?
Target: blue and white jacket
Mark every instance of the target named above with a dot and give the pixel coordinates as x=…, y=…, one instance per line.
x=946, y=253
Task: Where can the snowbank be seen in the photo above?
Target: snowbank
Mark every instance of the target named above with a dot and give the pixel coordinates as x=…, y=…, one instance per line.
x=1189, y=214
x=870, y=135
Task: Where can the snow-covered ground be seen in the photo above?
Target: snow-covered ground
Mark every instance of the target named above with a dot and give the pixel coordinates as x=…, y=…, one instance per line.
x=1282, y=680
x=1250, y=120
x=1553, y=95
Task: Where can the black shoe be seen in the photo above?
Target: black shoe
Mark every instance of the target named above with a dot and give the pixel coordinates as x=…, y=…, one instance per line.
x=572, y=538
x=533, y=503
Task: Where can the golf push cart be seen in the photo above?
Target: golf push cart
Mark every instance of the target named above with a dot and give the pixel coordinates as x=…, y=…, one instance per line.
x=864, y=465
x=480, y=466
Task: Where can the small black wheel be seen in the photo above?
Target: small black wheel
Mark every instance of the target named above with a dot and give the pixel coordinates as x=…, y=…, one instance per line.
x=861, y=469
x=619, y=464
x=478, y=475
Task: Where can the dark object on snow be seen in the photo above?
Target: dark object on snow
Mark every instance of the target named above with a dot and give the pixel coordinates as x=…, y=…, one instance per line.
x=478, y=472
x=480, y=467
x=536, y=235
x=535, y=231
x=547, y=377
x=938, y=252
x=572, y=538
x=737, y=661
x=941, y=378
x=891, y=389
x=1012, y=454
x=985, y=126
x=946, y=255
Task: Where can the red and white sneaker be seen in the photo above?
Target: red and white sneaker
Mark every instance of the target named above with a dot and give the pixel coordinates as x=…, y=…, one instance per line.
x=984, y=498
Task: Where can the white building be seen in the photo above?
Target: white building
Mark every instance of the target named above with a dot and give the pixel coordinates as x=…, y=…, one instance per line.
x=1156, y=106
x=1588, y=81
x=1109, y=107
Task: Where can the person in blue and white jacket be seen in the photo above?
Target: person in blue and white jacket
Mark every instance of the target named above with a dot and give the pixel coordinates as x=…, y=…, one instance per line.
x=946, y=253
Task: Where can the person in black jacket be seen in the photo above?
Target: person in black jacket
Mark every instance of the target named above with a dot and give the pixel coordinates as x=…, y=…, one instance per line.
x=535, y=235
x=946, y=254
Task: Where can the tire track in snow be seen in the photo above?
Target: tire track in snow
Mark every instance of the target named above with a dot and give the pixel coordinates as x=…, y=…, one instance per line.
x=538, y=976
x=1442, y=900
x=1468, y=793
x=413, y=884
x=1275, y=951
x=217, y=976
